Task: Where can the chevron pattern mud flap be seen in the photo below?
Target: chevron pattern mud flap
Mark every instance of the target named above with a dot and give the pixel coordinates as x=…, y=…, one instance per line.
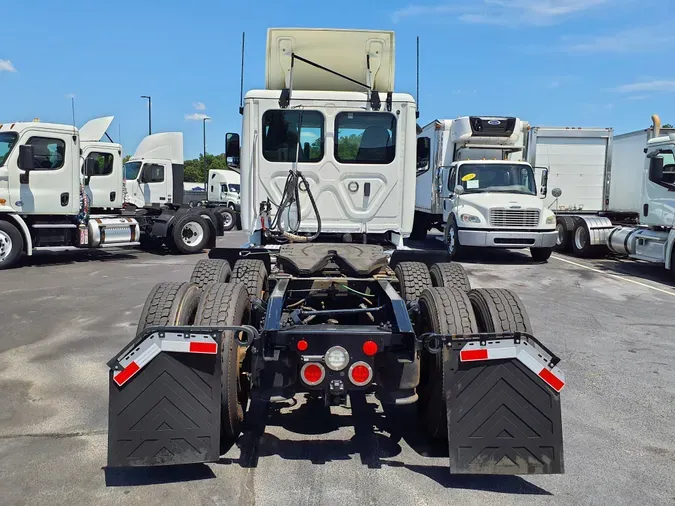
x=168, y=412
x=502, y=417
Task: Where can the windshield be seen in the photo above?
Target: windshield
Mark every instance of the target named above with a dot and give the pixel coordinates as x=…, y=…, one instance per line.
x=492, y=177
x=131, y=170
x=234, y=188
x=7, y=141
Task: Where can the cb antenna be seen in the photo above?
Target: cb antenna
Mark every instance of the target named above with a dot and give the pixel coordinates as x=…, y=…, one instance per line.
x=72, y=106
x=241, y=83
x=417, y=98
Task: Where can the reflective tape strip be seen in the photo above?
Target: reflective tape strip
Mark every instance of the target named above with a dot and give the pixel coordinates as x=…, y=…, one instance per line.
x=172, y=342
x=527, y=352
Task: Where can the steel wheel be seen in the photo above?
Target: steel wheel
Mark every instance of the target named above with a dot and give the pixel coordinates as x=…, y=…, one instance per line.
x=228, y=221
x=560, y=239
x=192, y=233
x=5, y=245
x=581, y=238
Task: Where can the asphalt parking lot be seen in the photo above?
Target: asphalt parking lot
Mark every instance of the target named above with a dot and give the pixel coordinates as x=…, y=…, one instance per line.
x=64, y=316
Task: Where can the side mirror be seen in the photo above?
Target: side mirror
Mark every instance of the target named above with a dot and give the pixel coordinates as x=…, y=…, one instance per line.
x=90, y=166
x=459, y=189
x=423, y=147
x=543, y=188
x=232, y=147
x=26, y=157
x=655, y=169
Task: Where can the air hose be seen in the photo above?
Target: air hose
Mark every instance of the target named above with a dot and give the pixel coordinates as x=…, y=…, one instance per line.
x=295, y=182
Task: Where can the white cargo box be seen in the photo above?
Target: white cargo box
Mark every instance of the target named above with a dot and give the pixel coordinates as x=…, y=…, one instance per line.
x=343, y=51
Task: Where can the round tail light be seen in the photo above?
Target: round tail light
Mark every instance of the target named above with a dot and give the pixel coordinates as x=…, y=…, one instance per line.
x=302, y=345
x=312, y=373
x=336, y=358
x=360, y=374
x=370, y=348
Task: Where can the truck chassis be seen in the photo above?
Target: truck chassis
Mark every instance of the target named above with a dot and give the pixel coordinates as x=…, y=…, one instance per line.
x=327, y=320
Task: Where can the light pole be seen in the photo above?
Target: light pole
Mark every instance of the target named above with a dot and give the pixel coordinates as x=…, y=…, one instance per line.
x=149, y=113
x=206, y=174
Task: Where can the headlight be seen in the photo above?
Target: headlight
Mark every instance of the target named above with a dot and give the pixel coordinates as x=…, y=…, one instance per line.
x=470, y=218
x=550, y=220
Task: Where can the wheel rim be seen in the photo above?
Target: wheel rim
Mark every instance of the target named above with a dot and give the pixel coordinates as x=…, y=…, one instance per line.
x=561, y=234
x=581, y=238
x=192, y=233
x=5, y=245
x=451, y=241
x=227, y=220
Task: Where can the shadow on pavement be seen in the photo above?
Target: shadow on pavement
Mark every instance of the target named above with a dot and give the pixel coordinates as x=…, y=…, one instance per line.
x=49, y=259
x=372, y=446
x=628, y=267
x=124, y=477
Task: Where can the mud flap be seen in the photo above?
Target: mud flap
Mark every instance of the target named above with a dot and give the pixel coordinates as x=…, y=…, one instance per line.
x=502, y=417
x=165, y=401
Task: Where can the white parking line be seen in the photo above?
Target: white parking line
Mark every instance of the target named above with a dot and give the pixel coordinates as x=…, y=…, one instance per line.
x=622, y=278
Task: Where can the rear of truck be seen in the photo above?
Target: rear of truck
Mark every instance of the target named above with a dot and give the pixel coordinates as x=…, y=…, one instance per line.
x=330, y=319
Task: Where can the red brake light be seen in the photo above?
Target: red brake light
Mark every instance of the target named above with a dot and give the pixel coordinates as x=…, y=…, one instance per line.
x=370, y=348
x=360, y=374
x=302, y=345
x=312, y=373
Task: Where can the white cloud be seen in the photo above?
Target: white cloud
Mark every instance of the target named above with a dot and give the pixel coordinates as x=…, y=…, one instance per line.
x=656, y=85
x=196, y=116
x=632, y=40
x=199, y=106
x=502, y=12
x=6, y=66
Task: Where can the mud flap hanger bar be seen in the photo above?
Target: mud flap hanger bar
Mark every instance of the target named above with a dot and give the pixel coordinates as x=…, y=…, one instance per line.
x=498, y=346
x=154, y=339
x=375, y=103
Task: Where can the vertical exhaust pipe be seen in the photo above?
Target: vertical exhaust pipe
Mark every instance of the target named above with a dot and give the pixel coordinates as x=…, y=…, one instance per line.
x=657, y=124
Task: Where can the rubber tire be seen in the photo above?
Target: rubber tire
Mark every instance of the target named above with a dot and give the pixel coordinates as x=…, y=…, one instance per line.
x=175, y=241
x=567, y=222
x=170, y=304
x=253, y=274
x=17, y=245
x=588, y=249
x=413, y=278
x=452, y=228
x=499, y=310
x=447, y=311
x=233, y=219
x=227, y=304
x=211, y=270
x=449, y=275
x=541, y=254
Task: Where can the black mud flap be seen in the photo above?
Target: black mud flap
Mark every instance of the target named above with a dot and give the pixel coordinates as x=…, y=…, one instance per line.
x=167, y=411
x=502, y=418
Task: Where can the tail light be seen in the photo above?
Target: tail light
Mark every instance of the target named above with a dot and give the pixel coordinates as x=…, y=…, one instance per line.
x=312, y=373
x=360, y=374
x=370, y=348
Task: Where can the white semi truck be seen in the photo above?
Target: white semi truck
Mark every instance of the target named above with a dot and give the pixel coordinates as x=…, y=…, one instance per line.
x=474, y=185
x=617, y=191
x=223, y=194
x=331, y=320
x=63, y=189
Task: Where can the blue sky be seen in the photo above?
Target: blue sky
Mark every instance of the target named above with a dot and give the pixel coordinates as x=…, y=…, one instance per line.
x=550, y=62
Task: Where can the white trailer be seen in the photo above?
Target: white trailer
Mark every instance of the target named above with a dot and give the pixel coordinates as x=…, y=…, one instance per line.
x=225, y=188
x=61, y=192
x=473, y=184
x=328, y=148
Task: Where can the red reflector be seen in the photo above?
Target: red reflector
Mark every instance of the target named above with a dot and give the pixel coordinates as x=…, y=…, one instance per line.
x=302, y=345
x=126, y=373
x=312, y=373
x=551, y=379
x=360, y=374
x=469, y=355
x=370, y=348
x=197, y=347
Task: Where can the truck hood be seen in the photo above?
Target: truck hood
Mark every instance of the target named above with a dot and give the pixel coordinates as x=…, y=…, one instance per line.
x=485, y=201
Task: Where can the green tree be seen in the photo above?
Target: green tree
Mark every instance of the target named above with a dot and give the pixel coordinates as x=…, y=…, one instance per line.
x=348, y=146
x=126, y=159
x=194, y=169
x=667, y=125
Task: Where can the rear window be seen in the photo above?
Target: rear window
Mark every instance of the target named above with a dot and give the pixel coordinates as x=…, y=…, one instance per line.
x=365, y=137
x=282, y=129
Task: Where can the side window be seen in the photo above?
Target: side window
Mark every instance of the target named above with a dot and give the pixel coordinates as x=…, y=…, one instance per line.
x=662, y=168
x=668, y=168
x=423, y=153
x=365, y=137
x=281, y=131
x=49, y=153
x=451, y=179
x=104, y=163
x=152, y=173
x=223, y=188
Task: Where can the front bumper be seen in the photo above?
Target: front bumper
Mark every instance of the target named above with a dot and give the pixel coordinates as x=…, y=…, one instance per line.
x=495, y=238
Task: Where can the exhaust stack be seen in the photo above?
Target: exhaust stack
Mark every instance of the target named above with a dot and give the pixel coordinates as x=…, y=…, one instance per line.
x=657, y=124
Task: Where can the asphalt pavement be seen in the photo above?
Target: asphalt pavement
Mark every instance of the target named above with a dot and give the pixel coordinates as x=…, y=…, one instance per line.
x=65, y=315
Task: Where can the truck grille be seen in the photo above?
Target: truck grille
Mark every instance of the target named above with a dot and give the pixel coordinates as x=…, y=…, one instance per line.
x=514, y=218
